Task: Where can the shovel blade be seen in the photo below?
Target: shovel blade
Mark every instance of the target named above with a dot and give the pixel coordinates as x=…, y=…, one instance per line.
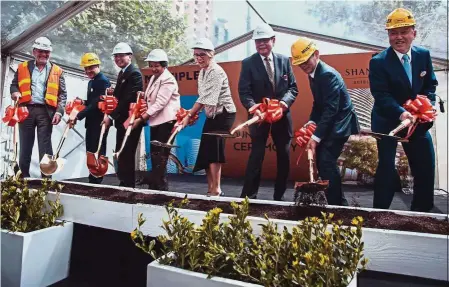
x=115, y=161
x=47, y=165
x=60, y=164
x=101, y=167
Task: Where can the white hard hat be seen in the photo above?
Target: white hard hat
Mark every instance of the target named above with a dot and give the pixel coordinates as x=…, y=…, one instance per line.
x=122, y=48
x=203, y=43
x=42, y=43
x=157, y=55
x=263, y=31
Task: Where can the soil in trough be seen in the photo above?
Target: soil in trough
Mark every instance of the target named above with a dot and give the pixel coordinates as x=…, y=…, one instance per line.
x=381, y=220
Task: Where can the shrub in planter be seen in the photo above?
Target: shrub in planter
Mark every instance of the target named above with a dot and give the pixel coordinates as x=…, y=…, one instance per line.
x=35, y=245
x=361, y=155
x=317, y=252
x=25, y=210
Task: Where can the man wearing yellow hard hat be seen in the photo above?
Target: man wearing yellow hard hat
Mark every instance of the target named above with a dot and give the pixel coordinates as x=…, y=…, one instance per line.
x=332, y=113
x=95, y=88
x=397, y=74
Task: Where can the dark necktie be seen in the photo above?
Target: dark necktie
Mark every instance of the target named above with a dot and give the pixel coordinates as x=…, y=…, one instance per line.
x=119, y=78
x=270, y=72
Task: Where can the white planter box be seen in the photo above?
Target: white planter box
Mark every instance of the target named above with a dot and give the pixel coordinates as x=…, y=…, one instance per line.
x=391, y=251
x=159, y=275
x=39, y=258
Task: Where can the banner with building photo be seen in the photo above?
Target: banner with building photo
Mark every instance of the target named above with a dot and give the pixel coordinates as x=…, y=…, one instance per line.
x=352, y=67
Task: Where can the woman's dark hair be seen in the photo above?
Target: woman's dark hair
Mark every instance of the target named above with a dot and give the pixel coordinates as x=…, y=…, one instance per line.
x=163, y=64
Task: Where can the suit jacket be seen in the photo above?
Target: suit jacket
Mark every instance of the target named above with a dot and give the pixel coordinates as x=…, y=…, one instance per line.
x=163, y=98
x=62, y=93
x=95, y=88
x=332, y=109
x=125, y=91
x=391, y=87
x=254, y=83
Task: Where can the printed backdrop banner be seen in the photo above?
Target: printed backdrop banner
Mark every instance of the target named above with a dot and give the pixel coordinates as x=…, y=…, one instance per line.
x=352, y=67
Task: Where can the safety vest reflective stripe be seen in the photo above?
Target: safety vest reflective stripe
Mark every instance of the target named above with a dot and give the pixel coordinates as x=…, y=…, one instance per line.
x=51, y=97
x=24, y=78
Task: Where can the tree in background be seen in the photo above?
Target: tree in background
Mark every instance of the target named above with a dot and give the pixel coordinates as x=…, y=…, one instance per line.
x=16, y=16
x=361, y=155
x=144, y=25
x=367, y=18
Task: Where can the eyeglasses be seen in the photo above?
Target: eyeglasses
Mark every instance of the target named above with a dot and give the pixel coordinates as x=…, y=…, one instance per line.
x=200, y=55
x=42, y=51
x=264, y=40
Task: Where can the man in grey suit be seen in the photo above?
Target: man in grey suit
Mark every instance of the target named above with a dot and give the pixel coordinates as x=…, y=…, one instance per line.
x=332, y=112
x=268, y=75
x=40, y=86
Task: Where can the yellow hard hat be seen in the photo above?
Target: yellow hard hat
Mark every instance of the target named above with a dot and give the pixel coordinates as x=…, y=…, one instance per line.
x=302, y=50
x=400, y=17
x=89, y=59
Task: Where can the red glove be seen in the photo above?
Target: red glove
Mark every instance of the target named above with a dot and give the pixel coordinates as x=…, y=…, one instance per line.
x=108, y=104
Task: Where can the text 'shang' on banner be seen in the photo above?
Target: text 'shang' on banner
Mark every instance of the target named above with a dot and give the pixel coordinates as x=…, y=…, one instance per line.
x=352, y=67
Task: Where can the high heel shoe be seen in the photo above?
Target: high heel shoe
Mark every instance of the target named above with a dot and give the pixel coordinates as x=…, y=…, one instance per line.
x=217, y=195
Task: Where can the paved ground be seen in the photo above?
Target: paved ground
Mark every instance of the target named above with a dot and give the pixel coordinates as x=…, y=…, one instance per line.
x=355, y=194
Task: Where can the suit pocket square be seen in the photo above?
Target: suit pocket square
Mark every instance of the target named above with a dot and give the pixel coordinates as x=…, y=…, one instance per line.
x=423, y=73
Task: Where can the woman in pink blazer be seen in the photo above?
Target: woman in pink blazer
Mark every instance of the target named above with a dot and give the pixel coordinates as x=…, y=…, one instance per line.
x=163, y=102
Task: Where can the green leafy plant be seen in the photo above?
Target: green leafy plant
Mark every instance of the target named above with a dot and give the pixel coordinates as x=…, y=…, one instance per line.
x=317, y=252
x=362, y=156
x=404, y=172
x=25, y=209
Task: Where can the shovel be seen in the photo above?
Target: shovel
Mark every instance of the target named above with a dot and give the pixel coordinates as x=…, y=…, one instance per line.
x=13, y=116
x=115, y=155
x=249, y=122
x=51, y=164
x=381, y=136
x=97, y=164
x=14, y=165
x=312, y=192
x=168, y=143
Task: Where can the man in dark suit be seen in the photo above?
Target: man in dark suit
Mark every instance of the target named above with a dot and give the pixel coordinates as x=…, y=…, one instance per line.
x=332, y=112
x=40, y=86
x=270, y=75
x=95, y=88
x=129, y=82
x=397, y=74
